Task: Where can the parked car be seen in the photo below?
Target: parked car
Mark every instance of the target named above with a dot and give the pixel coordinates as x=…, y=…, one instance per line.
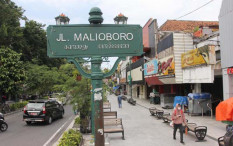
x=56, y=99
x=42, y=111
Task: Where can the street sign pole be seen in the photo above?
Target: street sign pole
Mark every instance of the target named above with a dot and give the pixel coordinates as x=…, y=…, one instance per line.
x=131, y=90
x=97, y=100
x=96, y=41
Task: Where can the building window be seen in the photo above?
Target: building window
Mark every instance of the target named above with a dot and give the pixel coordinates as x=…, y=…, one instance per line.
x=218, y=55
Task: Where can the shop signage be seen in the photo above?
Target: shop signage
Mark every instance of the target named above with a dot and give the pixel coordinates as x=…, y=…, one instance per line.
x=151, y=67
x=198, y=56
x=89, y=40
x=166, y=66
x=230, y=71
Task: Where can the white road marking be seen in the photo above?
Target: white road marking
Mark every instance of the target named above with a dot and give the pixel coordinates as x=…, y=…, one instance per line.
x=52, y=137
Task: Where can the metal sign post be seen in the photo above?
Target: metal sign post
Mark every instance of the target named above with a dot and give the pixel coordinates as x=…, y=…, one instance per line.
x=95, y=41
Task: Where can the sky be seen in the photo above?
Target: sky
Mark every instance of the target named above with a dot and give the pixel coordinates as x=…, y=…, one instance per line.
x=137, y=11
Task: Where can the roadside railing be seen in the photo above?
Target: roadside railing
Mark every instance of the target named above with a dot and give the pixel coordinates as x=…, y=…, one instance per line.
x=209, y=105
x=200, y=104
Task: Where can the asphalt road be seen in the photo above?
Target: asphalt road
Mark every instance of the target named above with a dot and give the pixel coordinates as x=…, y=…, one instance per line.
x=37, y=134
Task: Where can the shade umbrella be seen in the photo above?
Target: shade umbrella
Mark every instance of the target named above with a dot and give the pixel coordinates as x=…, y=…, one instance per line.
x=224, y=111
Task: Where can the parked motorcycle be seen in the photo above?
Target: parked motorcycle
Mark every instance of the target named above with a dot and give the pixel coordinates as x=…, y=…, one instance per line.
x=3, y=124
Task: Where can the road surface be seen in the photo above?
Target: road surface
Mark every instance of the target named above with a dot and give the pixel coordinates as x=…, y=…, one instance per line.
x=36, y=134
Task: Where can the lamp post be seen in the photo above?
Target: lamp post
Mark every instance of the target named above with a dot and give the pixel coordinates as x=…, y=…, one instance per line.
x=120, y=19
x=62, y=19
x=131, y=90
x=90, y=43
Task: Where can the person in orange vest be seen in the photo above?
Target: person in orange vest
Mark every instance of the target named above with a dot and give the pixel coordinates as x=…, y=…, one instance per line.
x=178, y=119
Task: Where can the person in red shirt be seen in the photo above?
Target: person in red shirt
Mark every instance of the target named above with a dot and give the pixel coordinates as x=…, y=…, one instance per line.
x=4, y=98
x=178, y=119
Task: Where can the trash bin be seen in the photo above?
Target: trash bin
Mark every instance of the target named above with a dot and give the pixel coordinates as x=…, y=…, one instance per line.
x=152, y=100
x=198, y=103
x=167, y=100
x=157, y=99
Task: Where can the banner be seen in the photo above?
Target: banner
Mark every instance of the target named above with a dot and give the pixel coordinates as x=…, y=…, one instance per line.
x=151, y=67
x=198, y=56
x=166, y=66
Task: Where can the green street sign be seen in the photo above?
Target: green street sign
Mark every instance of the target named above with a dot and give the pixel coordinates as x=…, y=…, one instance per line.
x=94, y=40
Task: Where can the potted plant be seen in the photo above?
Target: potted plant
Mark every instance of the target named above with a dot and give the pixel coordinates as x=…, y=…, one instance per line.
x=77, y=123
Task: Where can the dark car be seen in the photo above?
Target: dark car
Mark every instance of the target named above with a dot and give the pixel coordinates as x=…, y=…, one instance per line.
x=42, y=111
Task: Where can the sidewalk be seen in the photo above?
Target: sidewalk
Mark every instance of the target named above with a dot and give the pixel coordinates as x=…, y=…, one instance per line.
x=215, y=129
x=142, y=129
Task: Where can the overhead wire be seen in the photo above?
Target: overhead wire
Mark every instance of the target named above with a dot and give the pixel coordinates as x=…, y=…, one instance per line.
x=195, y=9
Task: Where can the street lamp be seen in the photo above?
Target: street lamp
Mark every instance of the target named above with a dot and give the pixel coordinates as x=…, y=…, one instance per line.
x=120, y=19
x=131, y=90
x=62, y=19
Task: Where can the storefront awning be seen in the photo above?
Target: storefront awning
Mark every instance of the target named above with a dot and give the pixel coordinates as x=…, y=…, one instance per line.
x=153, y=81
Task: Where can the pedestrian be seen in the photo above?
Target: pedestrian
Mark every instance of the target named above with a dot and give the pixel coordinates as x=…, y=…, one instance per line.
x=4, y=99
x=178, y=119
x=119, y=98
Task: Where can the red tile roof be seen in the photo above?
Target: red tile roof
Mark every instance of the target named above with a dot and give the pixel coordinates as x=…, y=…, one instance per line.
x=186, y=26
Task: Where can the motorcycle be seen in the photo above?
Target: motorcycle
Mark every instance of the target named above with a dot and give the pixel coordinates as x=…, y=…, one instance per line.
x=3, y=124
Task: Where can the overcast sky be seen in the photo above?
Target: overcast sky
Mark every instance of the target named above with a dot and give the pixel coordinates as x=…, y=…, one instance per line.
x=137, y=11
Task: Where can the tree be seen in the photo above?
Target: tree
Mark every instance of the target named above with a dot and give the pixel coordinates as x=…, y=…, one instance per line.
x=29, y=40
x=41, y=79
x=36, y=45
x=12, y=71
x=10, y=15
x=106, y=70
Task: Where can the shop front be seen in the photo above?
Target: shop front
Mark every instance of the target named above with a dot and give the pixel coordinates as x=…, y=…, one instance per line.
x=201, y=71
x=137, y=77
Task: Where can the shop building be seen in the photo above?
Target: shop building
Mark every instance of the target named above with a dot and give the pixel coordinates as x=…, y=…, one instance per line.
x=226, y=31
x=135, y=67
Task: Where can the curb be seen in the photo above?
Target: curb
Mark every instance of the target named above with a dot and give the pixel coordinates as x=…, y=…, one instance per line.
x=69, y=127
x=11, y=113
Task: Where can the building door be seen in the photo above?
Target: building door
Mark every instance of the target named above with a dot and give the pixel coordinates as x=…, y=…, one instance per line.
x=138, y=91
x=215, y=89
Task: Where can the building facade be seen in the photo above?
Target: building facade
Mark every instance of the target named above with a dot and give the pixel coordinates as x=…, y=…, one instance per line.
x=226, y=31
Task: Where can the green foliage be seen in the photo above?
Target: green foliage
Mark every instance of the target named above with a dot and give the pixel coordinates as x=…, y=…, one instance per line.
x=77, y=120
x=24, y=45
x=196, y=29
x=82, y=96
x=12, y=71
x=70, y=138
x=18, y=105
x=29, y=40
x=36, y=45
x=106, y=70
x=41, y=79
x=106, y=89
x=80, y=90
x=45, y=97
x=68, y=78
x=10, y=30
x=12, y=107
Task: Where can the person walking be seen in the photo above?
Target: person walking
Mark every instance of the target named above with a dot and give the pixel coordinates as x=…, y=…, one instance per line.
x=4, y=98
x=178, y=119
x=119, y=98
